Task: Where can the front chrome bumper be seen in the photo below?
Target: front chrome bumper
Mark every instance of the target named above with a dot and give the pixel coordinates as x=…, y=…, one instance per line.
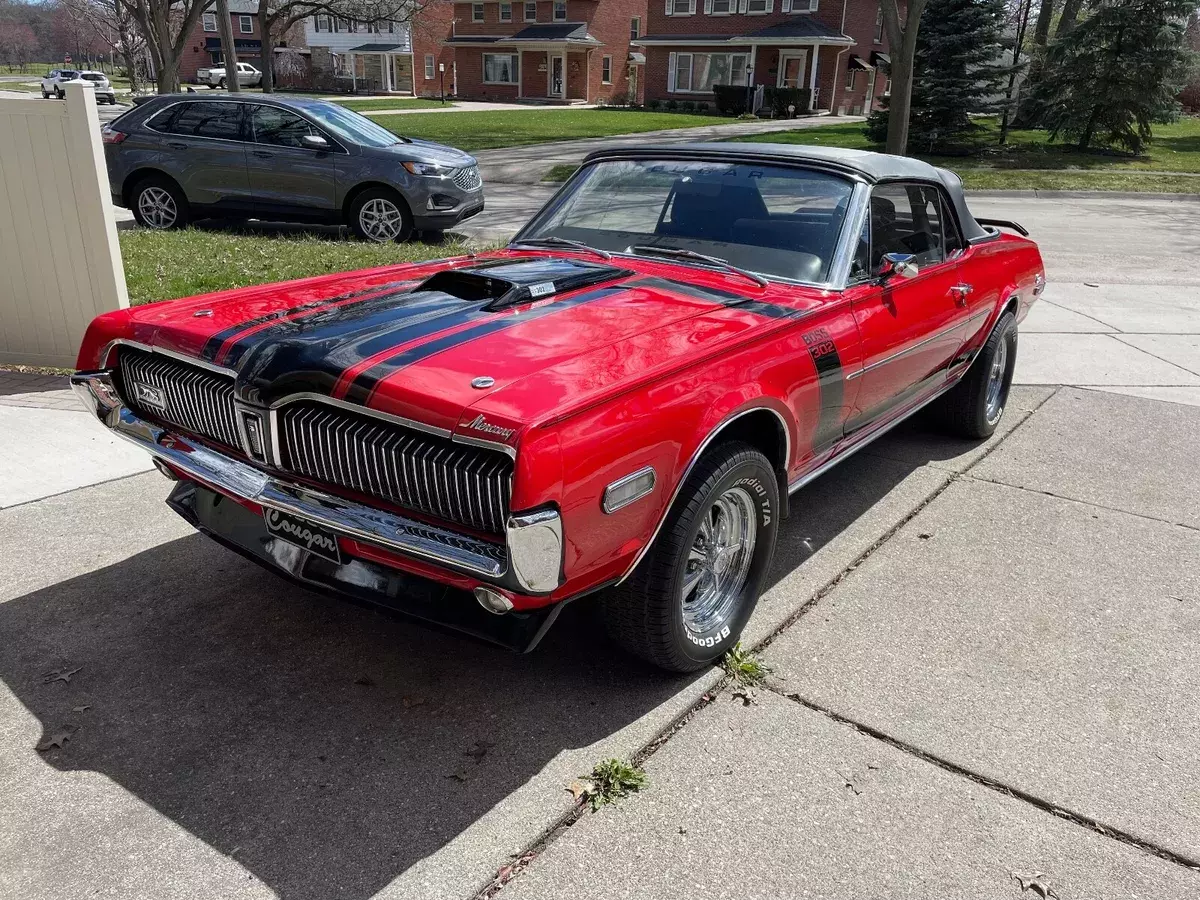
x=529, y=562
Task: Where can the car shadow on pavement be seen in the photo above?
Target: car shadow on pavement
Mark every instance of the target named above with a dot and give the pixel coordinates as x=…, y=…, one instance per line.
x=327, y=747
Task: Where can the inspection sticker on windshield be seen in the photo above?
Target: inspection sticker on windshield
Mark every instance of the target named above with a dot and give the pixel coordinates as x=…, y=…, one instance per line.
x=541, y=290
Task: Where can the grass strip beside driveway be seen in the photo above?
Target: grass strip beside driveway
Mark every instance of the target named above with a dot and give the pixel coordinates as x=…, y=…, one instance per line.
x=512, y=128
x=366, y=106
x=163, y=265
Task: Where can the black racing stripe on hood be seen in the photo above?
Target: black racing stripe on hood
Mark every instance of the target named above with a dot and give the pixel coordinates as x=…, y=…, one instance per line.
x=363, y=386
x=214, y=344
x=672, y=285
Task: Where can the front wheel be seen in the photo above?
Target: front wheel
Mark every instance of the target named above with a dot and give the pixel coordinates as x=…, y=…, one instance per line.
x=380, y=215
x=973, y=407
x=690, y=598
x=222, y=84
x=45, y=94
x=59, y=94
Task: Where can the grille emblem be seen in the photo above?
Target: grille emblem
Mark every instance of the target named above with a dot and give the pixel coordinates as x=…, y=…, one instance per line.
x=483, y=381
x=479, y=423
x=150, y=395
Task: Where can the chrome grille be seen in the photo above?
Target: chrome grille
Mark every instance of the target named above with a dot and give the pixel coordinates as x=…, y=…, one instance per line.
x=423, y=472
x=467, y=179
x=197, y=400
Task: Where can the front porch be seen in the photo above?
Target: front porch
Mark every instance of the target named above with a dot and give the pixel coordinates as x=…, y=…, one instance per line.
x=548, y=63
x=381, y=69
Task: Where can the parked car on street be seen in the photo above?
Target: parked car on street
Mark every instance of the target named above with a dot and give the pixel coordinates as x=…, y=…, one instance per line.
x=56, y=79
x=619, y=402
x=216, y=77
x=178, y=157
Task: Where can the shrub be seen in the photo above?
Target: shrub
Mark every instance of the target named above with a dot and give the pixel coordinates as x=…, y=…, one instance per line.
x=653, y=105
x=777, y=100
x=687, y=106
x=672, y=105
x=730, y=99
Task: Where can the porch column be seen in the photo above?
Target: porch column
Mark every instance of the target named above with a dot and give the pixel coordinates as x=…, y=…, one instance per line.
x=353, y=74
x=812, y=79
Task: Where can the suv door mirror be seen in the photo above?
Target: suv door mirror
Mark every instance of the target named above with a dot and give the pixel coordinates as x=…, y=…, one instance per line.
x=314, y=142
x=896, y=265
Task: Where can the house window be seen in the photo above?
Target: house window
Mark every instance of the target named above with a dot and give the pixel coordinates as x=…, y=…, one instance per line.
x=560, y=10
x=879, y=25
x=606, y=70
x=499, y=68
x=247, y=24
x=429, y=67
x=681, y=7
x=217, y=57
x=476, y=12
x=850, y=78
x=887, y=87
x=758, y=7
x=505, y=12
x=721, y=7
x=210, y=22
x=635, y=28
x=696, y=73
x=531, y=12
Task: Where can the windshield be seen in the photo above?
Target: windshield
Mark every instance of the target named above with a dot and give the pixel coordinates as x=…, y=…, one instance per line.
x=774, y=220
x=350, y=126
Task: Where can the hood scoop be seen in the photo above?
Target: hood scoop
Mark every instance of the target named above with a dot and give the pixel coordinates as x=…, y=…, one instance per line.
x=507, y=284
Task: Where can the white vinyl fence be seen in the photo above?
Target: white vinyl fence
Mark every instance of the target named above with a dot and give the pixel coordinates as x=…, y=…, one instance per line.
x=60, y=263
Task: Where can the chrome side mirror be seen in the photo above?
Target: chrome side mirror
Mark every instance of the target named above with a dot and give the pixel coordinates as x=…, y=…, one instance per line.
x=314, y=142
x=898, y=265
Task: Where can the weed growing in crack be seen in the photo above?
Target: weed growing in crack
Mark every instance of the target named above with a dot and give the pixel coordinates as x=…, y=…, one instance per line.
x=746, y=669
x=609, y=781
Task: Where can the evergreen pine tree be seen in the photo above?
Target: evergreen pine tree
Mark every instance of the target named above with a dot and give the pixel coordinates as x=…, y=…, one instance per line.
x=959, y=72
x=1118, y=72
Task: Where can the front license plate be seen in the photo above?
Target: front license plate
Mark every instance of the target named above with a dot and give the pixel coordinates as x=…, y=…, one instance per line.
x=302, y=533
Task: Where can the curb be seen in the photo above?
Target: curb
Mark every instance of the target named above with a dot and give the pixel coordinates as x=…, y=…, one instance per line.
x=1083, y=195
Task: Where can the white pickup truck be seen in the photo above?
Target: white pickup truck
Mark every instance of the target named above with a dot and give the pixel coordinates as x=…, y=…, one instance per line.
x=248, y=76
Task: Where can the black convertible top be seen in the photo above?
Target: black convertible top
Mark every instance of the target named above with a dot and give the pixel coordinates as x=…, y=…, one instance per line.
x=869, y=166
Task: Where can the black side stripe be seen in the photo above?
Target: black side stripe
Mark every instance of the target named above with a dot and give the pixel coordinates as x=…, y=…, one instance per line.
x=214, y=344
x=831, y=386
x=362, y=387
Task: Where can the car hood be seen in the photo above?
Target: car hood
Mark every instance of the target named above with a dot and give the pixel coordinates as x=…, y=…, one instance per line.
x=415, y=150
x=487, y=347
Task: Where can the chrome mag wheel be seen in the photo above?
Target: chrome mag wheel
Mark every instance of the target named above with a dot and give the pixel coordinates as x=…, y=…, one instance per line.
x=719, y=561
x=995, y=386
x=157, y=207
x=381, y=220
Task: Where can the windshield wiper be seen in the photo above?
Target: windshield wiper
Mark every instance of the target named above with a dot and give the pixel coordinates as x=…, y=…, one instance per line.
x=561, y=242
x=677, y=253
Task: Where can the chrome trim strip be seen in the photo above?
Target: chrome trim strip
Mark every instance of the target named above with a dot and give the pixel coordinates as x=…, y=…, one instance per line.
x=106, y=356
x=852, y=225
x=787, y=455
x=361, y=410
x=909, y=349
x=621, y=482
x=506, y=449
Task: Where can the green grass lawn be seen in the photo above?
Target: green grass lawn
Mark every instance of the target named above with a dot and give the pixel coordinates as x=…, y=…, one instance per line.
x=1175, y=148
x=510, y=128
x=377, y=103
x=162, y=265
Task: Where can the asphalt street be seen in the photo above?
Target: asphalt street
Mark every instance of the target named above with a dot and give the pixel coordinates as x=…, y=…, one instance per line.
x=983, y=665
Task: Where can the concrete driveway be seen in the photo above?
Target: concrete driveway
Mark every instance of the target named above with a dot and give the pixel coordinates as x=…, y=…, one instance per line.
x=983, y=667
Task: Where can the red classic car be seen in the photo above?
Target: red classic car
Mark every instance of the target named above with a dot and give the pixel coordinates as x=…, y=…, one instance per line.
x=619, y=401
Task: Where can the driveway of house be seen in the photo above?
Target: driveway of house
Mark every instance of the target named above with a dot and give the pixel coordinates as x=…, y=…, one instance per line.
x=984, y=671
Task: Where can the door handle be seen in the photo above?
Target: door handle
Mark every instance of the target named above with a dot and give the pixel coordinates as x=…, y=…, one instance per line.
x=176, y=146
x=262, y=154
x=960, y=293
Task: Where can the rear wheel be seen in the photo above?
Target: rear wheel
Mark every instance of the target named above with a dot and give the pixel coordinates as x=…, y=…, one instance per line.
x=973, y=407
x=45, y=94
x=159, y=204
x=691, y=596
x=222, y=84
x=59, y=93
x=380, y=215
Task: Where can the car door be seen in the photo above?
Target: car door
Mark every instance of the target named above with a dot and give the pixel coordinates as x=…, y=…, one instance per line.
x=205, y=151
x=911, y=327
x=286, y=176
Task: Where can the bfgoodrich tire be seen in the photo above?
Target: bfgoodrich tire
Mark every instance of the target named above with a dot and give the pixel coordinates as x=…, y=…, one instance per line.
x=973, y=407
x=691, y=596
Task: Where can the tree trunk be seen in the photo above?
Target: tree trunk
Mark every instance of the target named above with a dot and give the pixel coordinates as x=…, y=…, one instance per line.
x=228, y=47
x=1041, y=32
x=268, y=52
x=903, y=56
x=1069, y=15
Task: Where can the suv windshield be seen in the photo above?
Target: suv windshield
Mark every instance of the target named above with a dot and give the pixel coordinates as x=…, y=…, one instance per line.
x=350, y=126
x=773, y=220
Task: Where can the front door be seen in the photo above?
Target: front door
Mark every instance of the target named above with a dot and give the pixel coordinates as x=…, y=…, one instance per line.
x=207, y=151
x=285, y=175
x=556, y=76
x=910, y=328
x=791, y=68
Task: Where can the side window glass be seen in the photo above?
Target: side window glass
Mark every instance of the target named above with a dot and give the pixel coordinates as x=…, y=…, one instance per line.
x=926, y=241
x=860, y=266
x=953, y=238
x=278, y=127
x=211, y=120
x=162, y=121
x=906, y=218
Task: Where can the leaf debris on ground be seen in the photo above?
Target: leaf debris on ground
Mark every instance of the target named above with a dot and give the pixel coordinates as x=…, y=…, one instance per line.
x=1035, y=883
x=63, y=675
x=58, y=739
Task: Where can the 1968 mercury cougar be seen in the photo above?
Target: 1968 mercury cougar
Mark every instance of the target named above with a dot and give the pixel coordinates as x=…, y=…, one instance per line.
x=620, y=401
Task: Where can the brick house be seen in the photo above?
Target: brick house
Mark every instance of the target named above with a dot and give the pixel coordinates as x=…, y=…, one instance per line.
x=835, y=48
x=402, y=57
x=204, y=48
x=554, y=50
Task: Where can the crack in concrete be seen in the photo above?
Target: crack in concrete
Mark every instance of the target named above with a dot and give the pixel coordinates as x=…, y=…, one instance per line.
x=1069, y=815
x=1174, y=365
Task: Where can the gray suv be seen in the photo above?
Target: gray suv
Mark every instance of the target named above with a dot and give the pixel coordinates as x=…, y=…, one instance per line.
x=174, y=158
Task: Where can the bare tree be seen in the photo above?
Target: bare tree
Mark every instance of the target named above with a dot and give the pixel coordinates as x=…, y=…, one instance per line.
x=114, y=28
x=166, y=26
x=228, y=47
x=1041, y=31
x=902, y=46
